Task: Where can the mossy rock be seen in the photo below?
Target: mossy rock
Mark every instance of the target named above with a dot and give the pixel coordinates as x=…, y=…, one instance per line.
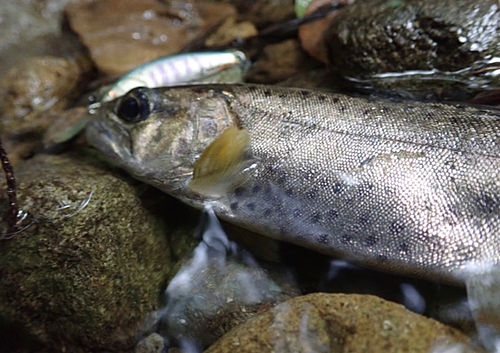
x=93, y=264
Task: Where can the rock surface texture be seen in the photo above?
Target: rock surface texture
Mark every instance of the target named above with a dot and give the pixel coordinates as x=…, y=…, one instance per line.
x=339, y=323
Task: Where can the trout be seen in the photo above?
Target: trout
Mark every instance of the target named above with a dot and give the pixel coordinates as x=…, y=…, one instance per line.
x=406, y=187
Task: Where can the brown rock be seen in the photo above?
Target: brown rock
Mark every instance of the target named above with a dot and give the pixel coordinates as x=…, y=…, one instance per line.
x=338, y=323
x=231, y=31
x=279, y=62
x=266, y=12
x=311, y=35
x=124, y=34
x=34, y=87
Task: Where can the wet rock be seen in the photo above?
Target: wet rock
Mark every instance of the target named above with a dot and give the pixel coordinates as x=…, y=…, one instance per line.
x=312, y=35
x=278, y=62
x=90, y=268
x=122, y=35
x=30, y=28
x=339, y=323
x=230, y=32
x=152, y=344
x=37, y=86
x=218, y=289
x=442, y=47
x=266, y=12
x=321, y=78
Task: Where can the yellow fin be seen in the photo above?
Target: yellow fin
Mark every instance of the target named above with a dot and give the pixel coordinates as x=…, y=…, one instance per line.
x=221, y=162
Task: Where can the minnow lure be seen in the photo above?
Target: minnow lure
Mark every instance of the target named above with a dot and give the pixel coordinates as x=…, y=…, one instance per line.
x=204, y=67
x=408, y=187
x=207, y=67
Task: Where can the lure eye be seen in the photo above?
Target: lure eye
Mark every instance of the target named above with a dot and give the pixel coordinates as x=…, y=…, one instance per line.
x=133, y=108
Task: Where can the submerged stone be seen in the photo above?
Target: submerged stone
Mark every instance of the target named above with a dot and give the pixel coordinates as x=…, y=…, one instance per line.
x=418, y=48
x=122, y=35
x=220, y=287
x=92, y=265
x=35, y=90
x=340, y=323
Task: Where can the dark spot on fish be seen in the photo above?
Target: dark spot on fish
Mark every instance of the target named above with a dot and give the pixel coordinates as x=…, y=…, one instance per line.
x=289, y=192
x=312, y=193
x=403, y=247
x=281, y=179
x=346, y=238
x=239, y=191
x=488, y=203
x=335, y=100
x=251, y=206
x=234, y=206
x=256, y=189
x=297, y=213
x=322, y=98
x=366, y=112
x=382, y=258
x=267, y=93
x=316, y=217
x=267, y=212
x=397, y=228
x=371, y=240
x=337, y=188
x=454, y=120
x=281, y=95
x=332, y=214
x=270, y=169
x=342, y=109
x=268, y=194
x=305, y=93
x=324, y=238
x=307, y=175
x=430, y=116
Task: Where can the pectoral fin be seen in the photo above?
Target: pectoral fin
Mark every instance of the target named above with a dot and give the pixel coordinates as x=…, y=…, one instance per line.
x=221, y=163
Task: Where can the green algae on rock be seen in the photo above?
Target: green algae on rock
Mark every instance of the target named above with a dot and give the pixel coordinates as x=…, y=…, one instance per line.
x=339, y=323
x=85, y=275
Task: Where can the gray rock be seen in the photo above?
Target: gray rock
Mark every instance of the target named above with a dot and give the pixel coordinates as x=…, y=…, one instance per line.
x=221, y=287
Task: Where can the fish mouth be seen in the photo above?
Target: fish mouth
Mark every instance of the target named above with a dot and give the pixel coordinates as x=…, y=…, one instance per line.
x=112, y=140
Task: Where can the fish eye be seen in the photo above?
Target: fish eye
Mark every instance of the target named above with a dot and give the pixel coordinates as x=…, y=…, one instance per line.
x=133, y=107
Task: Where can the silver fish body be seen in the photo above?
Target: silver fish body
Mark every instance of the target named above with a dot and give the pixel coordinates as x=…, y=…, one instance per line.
x=410, y=188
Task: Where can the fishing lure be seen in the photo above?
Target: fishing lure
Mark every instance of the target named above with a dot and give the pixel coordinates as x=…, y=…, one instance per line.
x=203, y=67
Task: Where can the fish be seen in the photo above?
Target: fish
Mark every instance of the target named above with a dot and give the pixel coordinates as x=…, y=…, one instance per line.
x=404, y=187
x=227, y=66
x=207, y=67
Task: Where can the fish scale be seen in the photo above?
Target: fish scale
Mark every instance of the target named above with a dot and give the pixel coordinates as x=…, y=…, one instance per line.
x=406, y=187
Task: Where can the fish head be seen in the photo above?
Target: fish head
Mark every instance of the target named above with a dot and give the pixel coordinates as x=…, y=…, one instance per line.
x=157, y=135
